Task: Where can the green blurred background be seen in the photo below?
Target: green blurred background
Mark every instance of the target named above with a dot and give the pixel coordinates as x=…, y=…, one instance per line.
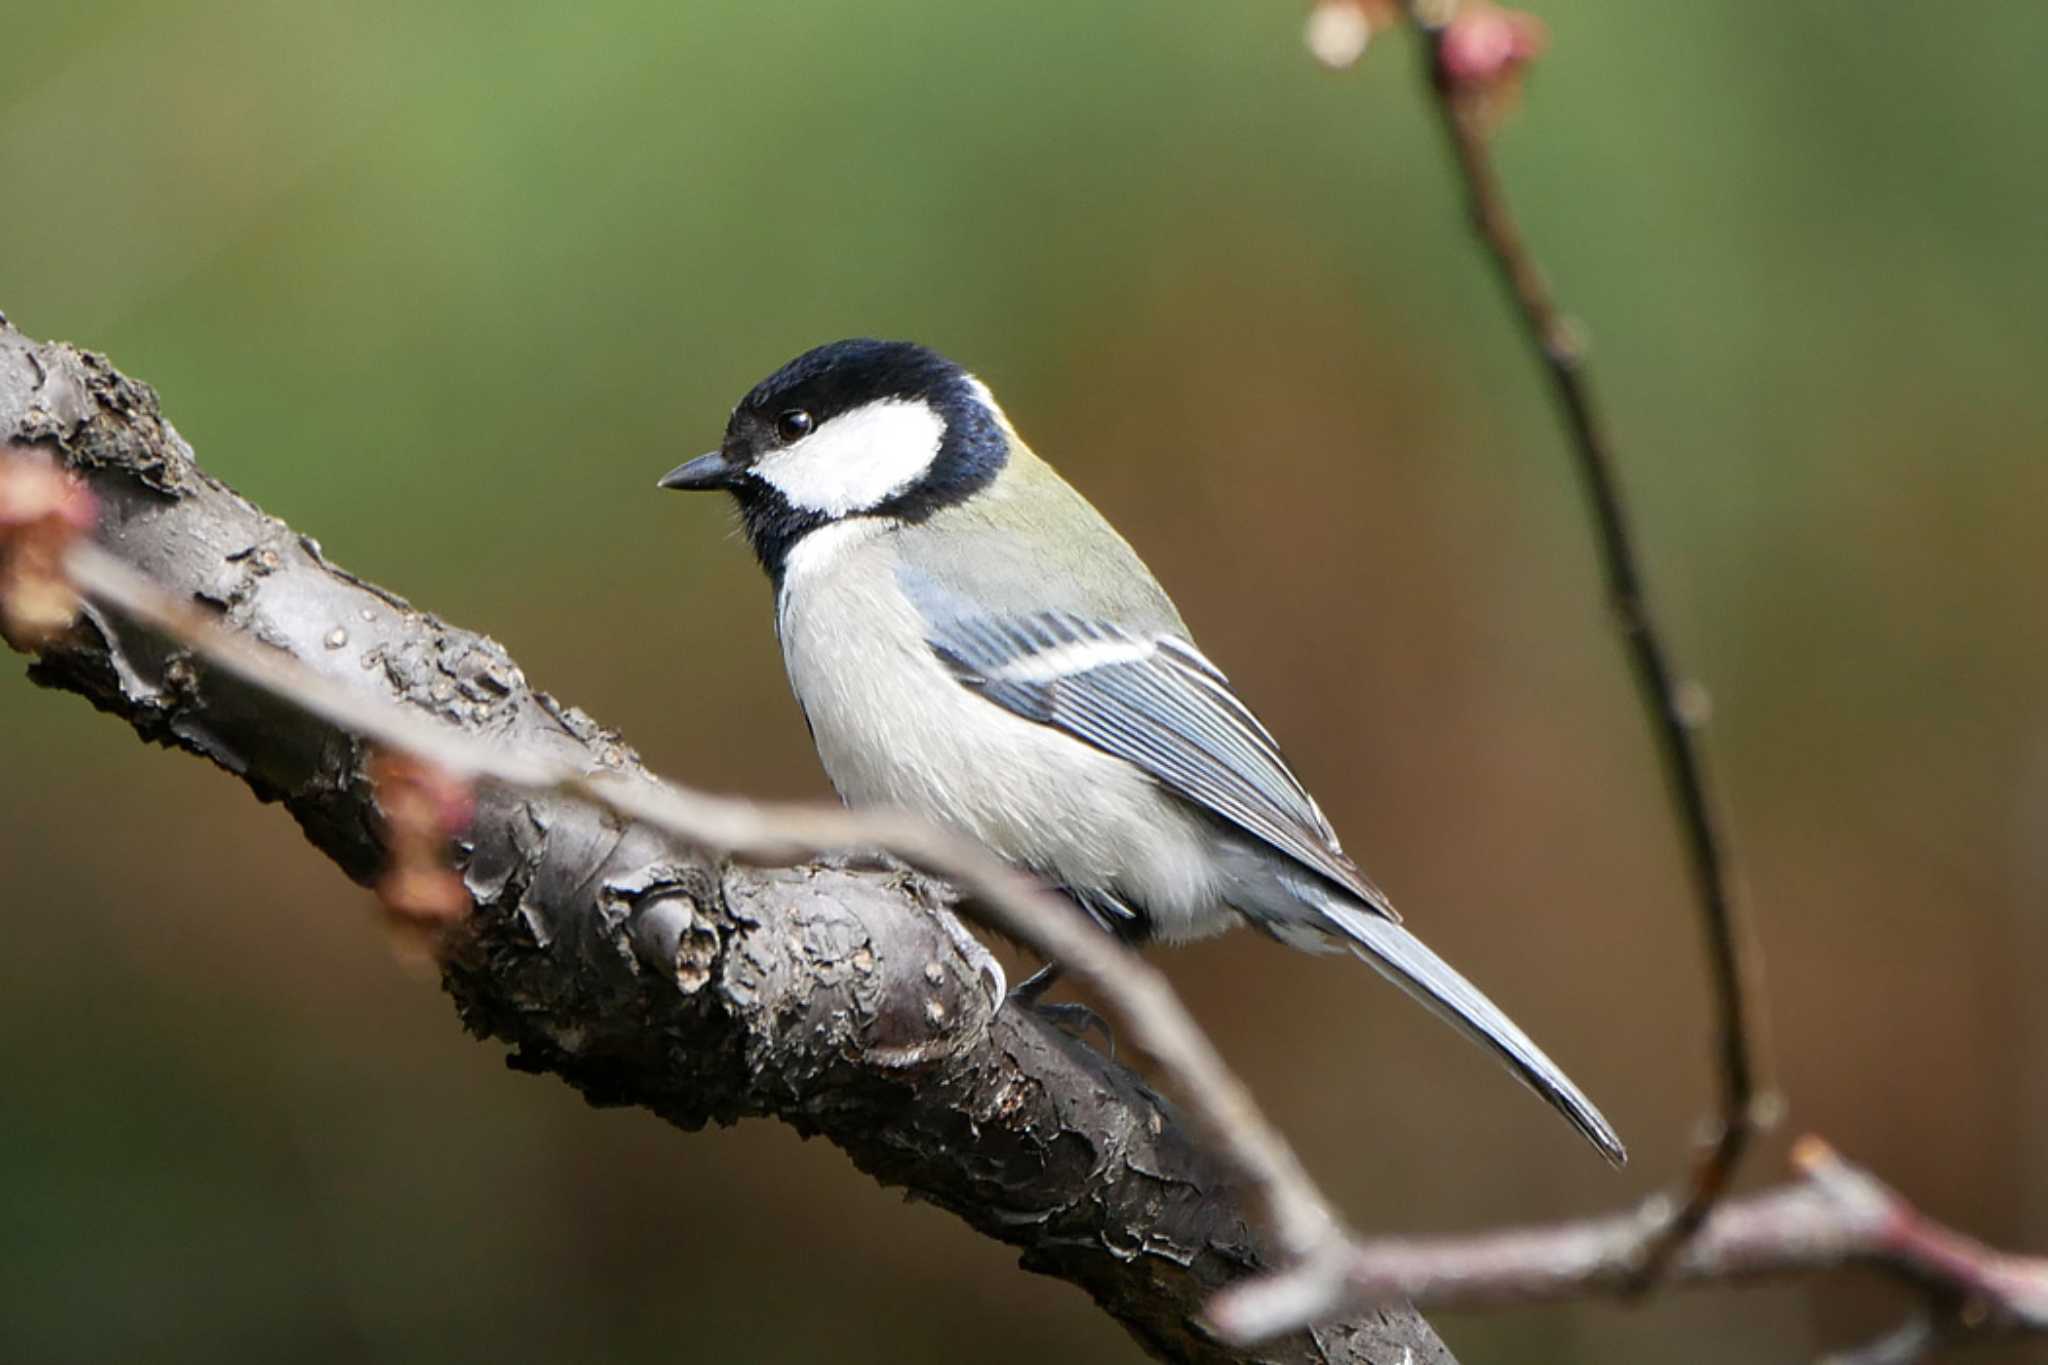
x=448, y=287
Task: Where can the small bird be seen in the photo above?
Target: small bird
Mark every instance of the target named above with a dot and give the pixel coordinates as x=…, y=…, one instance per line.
x=971, y=641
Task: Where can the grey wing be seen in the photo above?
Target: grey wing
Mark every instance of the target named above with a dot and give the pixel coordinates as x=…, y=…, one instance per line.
x=1156, y=703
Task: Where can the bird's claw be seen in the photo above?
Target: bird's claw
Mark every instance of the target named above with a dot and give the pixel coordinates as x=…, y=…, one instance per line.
x=1072, y=1018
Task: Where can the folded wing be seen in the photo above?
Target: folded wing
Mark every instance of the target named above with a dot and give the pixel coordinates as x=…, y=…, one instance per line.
x=1156, y=703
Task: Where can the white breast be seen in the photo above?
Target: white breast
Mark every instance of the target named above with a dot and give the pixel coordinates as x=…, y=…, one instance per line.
x=893, y=727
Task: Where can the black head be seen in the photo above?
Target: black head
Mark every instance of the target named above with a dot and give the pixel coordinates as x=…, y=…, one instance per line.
x=856, y=428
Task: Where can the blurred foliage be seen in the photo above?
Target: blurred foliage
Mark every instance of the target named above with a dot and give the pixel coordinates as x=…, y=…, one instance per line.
x=448, y=286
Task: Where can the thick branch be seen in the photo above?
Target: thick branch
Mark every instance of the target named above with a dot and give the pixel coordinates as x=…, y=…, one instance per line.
x=778, y=834
x=641, y=971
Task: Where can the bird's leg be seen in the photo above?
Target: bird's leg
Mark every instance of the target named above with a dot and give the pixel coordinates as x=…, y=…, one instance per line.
x=1033, y=987
x=1070, y=1017
x=986, y=968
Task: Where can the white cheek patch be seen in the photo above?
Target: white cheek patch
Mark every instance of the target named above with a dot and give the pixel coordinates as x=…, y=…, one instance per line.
x=857, y=460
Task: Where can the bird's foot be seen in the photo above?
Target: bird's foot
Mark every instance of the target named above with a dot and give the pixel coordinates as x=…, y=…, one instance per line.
x=989, y=971
x=862, y=860
x=1070, y=1017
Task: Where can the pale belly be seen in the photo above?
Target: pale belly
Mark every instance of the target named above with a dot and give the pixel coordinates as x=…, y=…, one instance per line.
x=894, y=728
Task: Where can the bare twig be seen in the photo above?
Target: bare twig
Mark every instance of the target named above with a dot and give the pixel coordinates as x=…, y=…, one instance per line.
x=1677, y=708
x=1009, y=902
x=1835, y=1215
x=1912, y=1340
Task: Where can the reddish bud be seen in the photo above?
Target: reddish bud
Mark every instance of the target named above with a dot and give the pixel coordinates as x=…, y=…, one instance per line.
x=420, y=801
x=43, y=510
x=416, y=944
x=1485, y=45
x=424, y=807
x=34, y=491
x=433, y=894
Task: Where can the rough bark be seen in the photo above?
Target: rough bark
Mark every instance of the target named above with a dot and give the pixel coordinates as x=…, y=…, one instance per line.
x=830, y=997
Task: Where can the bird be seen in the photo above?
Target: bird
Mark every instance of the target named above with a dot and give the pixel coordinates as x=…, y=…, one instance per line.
x=971, y=641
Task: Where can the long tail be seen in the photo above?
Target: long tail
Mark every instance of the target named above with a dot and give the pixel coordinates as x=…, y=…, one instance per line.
x=1403, y=959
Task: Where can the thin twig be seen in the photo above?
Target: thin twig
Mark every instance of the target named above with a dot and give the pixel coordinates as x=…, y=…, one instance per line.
x=1912, y=1340
x=1835, y=1215
x=1677, y=708
x=1303, y=1225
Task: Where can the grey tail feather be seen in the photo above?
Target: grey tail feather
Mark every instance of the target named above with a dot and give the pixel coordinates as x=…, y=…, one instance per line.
x=1404, y=960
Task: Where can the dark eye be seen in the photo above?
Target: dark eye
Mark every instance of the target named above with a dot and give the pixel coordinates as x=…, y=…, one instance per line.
x=793, y=425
